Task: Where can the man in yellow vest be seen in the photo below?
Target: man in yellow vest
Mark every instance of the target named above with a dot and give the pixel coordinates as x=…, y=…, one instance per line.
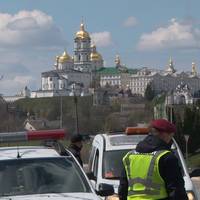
x=152, y=170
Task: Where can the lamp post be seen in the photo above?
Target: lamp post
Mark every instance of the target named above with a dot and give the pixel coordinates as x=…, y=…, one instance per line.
x=76, y=113
x=61, y=112
x=76, y=108
x=186, y=147
x=59, y=95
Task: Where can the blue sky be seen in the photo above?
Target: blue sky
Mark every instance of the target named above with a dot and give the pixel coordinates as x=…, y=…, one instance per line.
x=145, y=33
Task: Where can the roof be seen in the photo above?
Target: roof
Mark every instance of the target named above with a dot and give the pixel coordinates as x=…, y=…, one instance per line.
x=121, y=141
x=60, y=72
x=7, y=153
x=114, y=70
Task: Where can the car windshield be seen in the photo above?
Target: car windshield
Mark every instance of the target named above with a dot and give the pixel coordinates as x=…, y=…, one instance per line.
x=112, y=163
x=39, y=176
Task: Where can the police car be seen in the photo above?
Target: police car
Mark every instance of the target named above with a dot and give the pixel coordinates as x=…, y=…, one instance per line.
x=105, y=162
x=43, y=172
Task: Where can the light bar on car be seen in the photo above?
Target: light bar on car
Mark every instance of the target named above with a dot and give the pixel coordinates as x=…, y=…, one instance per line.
x=32, y=135
x=137, y=130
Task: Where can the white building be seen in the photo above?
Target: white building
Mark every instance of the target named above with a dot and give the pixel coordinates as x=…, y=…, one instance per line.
x=164, y=80
x=79, y=69
x=118, y=76
x=181, y=95
x=24, y=93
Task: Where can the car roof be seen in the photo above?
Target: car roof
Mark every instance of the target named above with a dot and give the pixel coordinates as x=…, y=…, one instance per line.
x=121, y=141
x=7, y=153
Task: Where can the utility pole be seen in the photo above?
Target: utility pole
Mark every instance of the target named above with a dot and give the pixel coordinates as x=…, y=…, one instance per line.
x=76, y=107
x=61, y=111
x=186, y=148
x=76, y=113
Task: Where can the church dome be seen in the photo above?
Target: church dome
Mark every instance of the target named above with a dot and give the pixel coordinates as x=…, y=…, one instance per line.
x=117, y=60
x=82, y=34
x=64, y=58
x=95, y=56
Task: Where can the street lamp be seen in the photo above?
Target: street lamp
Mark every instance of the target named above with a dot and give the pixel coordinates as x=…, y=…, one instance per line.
x=59, y=94
x=76, y=107
x=61, y=112
x=186, y=147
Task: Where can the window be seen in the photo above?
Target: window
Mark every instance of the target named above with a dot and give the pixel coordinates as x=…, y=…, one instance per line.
x=112, y=163
x=91, y=159
x=40, y=176
x=96, y=163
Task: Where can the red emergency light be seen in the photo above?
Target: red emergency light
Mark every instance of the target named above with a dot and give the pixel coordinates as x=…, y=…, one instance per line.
x=56, y=134
x=137, y=130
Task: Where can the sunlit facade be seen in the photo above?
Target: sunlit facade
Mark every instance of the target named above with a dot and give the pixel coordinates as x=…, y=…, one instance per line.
x=164, y=80
x=78, y=69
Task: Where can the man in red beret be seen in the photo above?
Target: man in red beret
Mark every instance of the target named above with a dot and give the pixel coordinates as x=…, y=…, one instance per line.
x=152, y=170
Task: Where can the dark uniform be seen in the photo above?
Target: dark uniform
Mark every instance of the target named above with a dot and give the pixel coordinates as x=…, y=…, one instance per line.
x=169, y=169
x=75, y=149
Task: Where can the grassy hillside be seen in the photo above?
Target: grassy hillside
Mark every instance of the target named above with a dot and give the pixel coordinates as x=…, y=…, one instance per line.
x=92, y=119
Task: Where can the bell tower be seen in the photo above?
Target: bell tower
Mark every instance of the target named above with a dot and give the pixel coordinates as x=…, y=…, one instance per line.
x=82, y=50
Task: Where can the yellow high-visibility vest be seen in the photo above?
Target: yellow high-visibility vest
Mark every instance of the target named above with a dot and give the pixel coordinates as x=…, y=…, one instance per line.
x=144, y=180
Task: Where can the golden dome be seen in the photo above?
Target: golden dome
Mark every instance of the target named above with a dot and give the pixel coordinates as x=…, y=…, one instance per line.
x=82, y=34
x=64, y=58
x=95, y=56
x=194, y=70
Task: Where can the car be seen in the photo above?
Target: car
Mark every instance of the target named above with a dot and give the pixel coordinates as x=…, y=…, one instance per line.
x=43, y=172
x=105, y=161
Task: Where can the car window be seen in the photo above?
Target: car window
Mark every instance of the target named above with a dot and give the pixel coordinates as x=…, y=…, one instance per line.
x=112, y=163
x=38, y=176
x=91, y=158
x=96, y=163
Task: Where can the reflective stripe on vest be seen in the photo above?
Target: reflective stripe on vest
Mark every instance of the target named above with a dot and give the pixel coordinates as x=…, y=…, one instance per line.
x=150, y=188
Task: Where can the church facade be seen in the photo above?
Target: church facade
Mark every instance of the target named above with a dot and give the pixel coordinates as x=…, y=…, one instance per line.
x=72, y=73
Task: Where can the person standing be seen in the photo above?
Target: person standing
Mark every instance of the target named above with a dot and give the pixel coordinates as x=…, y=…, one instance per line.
x=76, y=144
x=152, y=170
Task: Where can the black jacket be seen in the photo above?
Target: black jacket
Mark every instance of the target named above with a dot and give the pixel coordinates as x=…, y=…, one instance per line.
x=169, y=170
x=76, y=151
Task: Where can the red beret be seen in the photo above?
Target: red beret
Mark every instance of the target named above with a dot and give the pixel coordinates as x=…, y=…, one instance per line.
x=163, y=125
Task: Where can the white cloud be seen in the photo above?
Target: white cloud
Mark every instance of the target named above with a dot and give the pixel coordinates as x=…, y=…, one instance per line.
x=130, y=22
x=29, y=29
x=15, y=84
x=29, y=40
x=102, y=39
x=175, y=35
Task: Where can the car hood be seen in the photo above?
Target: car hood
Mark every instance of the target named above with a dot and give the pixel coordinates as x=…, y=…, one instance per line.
x=62, y=196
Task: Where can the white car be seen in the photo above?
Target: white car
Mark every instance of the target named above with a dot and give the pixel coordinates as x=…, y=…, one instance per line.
x=42, y=172
x=105, y=163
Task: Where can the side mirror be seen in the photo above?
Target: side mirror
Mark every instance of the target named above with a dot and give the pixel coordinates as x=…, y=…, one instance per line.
x=105, y=190
x=91, y=176
x=195, y=173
